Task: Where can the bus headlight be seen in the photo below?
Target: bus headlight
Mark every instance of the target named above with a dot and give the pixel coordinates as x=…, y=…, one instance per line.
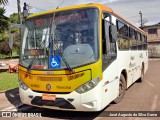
x=88, y=86
x=22, y=85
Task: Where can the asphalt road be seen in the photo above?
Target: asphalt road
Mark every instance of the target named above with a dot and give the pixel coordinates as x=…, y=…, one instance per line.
x=139, y=97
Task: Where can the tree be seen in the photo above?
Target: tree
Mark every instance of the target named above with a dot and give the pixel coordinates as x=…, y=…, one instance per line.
x=3, y=2
x=4, y=24
x=14, y=18
x=4, y=21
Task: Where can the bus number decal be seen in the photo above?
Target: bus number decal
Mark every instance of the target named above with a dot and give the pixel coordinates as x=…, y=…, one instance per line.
x=63, y=87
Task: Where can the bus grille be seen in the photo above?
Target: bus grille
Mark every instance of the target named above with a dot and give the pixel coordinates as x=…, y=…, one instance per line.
x=51, y=92
x=60, y=102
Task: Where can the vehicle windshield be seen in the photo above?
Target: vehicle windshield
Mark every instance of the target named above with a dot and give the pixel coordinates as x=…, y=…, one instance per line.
x=72, y=35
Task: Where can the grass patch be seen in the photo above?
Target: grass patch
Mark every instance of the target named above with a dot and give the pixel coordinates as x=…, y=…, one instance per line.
x=8, y=81
x=14, y=54
x=3, y=55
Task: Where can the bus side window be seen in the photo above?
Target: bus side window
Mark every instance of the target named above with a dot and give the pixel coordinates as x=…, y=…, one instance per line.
x=133, y=41
x=139, y=41
x=123, y=41
x=108, y=47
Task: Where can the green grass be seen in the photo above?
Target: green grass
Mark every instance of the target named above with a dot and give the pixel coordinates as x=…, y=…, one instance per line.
x=8, y=81
x=3, y=56
x=14, y=54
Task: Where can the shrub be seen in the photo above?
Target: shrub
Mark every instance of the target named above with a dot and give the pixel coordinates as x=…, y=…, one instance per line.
x=4, y=36
x=4, y=48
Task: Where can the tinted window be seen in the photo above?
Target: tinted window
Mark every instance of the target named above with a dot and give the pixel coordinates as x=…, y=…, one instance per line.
x=140, y=44
x=123, y=42
x=133, y=41
x=108, y=47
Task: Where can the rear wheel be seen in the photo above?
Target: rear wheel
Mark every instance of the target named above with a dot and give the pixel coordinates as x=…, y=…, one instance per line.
x=122, y=89
x=142, y=74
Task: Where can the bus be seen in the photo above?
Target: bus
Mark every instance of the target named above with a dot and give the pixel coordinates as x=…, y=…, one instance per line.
x=79, y=58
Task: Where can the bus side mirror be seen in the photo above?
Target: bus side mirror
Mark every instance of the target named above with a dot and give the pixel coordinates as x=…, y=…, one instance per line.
x=10, y=41
x=113, y=33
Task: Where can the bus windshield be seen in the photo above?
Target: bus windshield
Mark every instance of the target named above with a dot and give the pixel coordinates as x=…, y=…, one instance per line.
x=61, y=39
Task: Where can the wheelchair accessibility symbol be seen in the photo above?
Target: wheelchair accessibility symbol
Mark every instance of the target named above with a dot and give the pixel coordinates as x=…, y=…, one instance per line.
x=55, y=62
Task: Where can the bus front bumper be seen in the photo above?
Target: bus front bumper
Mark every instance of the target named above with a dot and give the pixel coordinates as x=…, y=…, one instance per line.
x=89, y=101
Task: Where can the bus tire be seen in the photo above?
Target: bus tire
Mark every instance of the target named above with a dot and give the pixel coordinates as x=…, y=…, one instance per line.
x=122, y=89
x=142, y=74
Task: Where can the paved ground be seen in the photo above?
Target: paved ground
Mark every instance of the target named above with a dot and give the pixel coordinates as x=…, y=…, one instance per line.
x=6, y=63
x=139, y=97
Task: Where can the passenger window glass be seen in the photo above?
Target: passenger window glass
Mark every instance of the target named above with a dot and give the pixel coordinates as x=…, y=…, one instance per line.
x=108, y=48
x=140, y=44
x=133, y=41
x=123, y=42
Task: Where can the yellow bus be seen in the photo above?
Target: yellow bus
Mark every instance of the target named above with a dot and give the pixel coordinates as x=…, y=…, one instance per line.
x=79, y=58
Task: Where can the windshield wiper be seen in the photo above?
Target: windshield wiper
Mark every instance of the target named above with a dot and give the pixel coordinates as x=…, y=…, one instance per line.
x=33, y=59
x=63, y=58
x=53, y=27
x=43, y=43
x=30, y=64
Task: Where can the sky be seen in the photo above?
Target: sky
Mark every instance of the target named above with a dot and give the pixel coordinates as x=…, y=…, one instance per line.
x=128, y=8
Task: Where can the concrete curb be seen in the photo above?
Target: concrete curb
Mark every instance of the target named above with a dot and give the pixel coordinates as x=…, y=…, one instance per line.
x=2, y=92
x=154, y=59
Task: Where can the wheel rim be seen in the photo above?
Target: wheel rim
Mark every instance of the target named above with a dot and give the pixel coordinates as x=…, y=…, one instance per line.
x=121, y=88
x=142, y=74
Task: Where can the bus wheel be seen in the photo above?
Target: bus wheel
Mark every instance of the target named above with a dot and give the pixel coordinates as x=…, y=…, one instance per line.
x=122, y=89
x=142, y=74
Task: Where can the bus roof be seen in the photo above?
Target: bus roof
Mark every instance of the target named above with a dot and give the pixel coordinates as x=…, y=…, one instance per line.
x=100, y=6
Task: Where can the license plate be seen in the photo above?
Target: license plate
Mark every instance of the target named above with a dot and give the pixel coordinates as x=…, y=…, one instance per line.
x=48, y=97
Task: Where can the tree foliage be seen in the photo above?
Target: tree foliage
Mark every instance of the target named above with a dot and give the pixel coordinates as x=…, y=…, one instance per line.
x=14, y=18
x=3, y=2
x=4, y=24
x=4, y=21
x=4, y=48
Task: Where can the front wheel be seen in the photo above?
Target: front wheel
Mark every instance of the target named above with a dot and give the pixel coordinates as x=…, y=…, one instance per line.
x=122, y=89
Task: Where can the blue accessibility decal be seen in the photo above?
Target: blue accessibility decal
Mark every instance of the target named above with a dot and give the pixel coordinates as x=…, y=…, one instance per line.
x=55, y=62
